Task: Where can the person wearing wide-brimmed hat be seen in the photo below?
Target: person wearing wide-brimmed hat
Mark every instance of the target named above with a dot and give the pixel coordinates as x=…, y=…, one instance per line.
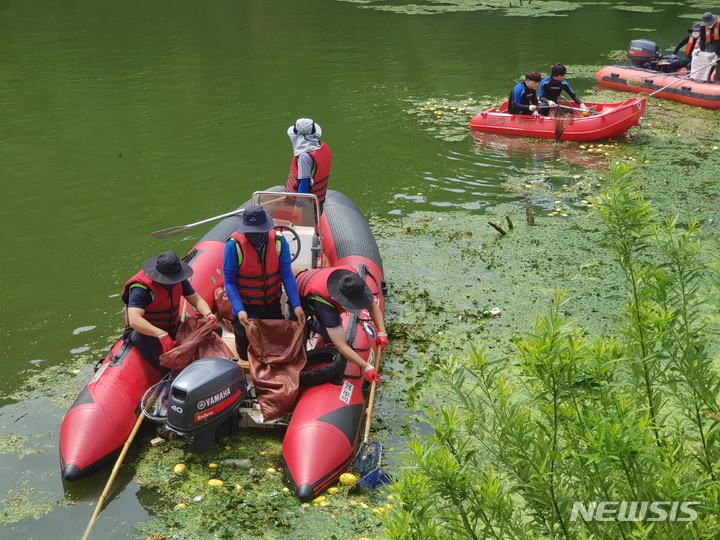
x=711, y=28
x=152, y=304
x=328, y=292
x=694, y=41
x=311, y=162
x=256, y=267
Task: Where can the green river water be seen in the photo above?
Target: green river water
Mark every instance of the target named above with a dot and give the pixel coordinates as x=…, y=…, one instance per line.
x=121, y=119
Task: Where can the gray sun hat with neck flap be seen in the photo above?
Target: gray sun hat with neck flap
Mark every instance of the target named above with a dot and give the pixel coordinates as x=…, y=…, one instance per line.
x=167, y=268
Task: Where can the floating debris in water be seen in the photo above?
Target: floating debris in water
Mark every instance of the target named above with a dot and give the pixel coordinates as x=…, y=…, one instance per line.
x=83, y=329
x=79, y=350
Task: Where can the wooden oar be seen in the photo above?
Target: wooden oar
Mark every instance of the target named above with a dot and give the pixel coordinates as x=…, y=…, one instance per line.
x=115, y=470
x=371, y=402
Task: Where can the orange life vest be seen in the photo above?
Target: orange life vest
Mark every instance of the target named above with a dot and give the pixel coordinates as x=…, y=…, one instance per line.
x=258, y=278
x=164, y=310
x=320, y=174
x=712, y=33
x=692, y=42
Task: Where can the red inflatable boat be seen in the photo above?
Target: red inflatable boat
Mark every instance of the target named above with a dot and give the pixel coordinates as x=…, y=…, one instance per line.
x=670, y=86
x=604, y=121
x=323, y=435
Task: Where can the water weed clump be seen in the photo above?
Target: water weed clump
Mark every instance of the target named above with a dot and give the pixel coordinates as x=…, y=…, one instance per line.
x=576, y=436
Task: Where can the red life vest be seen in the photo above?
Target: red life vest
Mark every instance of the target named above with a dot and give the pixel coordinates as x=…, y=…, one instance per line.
x=314, y=283
x=164, y=310
x=320, y=174
x=258, y=278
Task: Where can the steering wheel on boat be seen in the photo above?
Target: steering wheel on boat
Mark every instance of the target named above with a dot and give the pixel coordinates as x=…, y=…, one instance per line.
x=294, y=249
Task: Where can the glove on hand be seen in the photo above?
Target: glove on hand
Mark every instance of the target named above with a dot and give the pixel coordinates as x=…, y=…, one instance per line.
x=551, y=103
x=673, y=57
x=166, y=342
x=371, y=374
x=382, y=340
x=583, y=107
x=532, y=108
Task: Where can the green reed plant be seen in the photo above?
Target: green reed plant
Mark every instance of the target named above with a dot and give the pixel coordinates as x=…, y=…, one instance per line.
x=571, y=419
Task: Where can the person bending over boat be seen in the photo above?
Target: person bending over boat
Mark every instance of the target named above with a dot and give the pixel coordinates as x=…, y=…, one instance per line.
x=551, y=87
x=256, y=265
x=311, y=162
x=523, y=98
x=328, y=292
x=693, y=42
x=152, y=305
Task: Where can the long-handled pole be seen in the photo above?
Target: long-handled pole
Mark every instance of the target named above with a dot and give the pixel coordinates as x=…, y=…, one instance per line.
x=371, y=402
x=680, y=79
x=172, y=231
x=115, y=470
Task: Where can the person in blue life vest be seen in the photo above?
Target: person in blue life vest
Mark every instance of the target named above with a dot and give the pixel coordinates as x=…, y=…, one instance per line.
x=152, y=305
x=552, y=86
x=523, y=97
x=311, y=162
x=694, y=41
x=328, y=292
x=256, y=266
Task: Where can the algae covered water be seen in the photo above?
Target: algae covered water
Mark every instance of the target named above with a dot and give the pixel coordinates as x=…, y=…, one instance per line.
x=118, y=121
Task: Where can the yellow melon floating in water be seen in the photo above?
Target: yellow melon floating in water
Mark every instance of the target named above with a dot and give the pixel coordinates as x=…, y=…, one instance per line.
x=215, y=482
x=179, y=468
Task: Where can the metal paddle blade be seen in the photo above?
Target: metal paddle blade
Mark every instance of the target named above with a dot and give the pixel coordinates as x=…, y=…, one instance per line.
x=367, y=467
x=154, y=402
x=172, y=231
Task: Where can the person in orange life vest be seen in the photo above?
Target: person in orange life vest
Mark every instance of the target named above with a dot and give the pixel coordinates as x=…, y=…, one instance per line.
x=694, y=41
x=311, y=162
x=523, y=97
x=326, y=293
x=152, y=300
x=711, y=28
x=256, y=264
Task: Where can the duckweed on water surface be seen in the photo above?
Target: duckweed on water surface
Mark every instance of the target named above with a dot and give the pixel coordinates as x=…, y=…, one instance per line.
x=540, y=8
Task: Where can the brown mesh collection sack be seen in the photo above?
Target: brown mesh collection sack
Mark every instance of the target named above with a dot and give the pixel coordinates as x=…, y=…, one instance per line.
x=277, y=356
x=196, y=338
x=223, y=306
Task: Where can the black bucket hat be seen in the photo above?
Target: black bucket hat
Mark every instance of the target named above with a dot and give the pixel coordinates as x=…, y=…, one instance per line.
x=694, y=28
x=349, y=290
x=255, y=220
x=167, y=268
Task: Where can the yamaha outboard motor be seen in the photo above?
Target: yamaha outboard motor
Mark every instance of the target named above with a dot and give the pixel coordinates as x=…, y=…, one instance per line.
x=205, y=400
x=643, y=54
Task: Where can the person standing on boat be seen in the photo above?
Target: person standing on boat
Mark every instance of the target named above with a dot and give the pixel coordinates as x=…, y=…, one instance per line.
x=152, y=305
x=551, y=87
x=328, y=292
x=694, y=41
x=256, y=265
x=523, y=97
x=311, y=162
x=711, y=27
